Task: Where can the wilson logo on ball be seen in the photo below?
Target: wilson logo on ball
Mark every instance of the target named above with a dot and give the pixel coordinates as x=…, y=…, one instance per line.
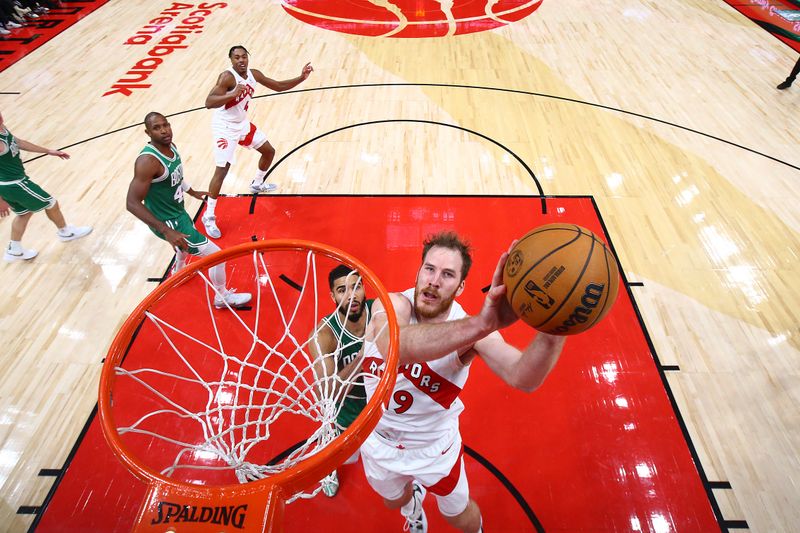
x=591, y=297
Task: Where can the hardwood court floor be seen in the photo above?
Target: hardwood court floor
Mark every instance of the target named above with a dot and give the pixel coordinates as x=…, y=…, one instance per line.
x=665, y=113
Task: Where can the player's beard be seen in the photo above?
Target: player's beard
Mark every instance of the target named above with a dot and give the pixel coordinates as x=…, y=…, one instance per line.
x=351, y=316
x=425, y=310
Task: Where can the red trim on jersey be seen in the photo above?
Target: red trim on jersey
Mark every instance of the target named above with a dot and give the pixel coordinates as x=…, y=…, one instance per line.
x=445, y=486
x=372, y=365
x=446, y=392
x=248, y=139
x=248, y=91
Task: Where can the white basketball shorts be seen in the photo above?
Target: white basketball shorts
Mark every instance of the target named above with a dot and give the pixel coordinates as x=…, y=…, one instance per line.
x=227, y=135
x=438, y=467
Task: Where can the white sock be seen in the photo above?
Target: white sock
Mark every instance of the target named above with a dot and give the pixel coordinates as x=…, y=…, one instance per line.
x=210, y=205
x=66, y=230
x=260, y=174
x=180, y=259
x=218, y=278
x=15, y=247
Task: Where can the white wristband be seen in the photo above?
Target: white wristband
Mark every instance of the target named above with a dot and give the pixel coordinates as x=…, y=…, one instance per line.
x=185, y=186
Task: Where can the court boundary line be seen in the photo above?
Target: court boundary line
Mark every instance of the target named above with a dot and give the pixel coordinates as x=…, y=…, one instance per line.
x=662, y=372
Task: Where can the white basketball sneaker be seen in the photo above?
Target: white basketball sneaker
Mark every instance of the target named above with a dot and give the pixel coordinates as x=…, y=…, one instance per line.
x=70, y=233
x=262, y=187
x=417, y=522
x=330, y=484
x=231, y=298
x=210, y=222
x=22, y=255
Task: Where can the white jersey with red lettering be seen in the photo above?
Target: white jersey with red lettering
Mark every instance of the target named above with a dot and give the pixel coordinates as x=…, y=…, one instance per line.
x=235, y=111
x=424, y=404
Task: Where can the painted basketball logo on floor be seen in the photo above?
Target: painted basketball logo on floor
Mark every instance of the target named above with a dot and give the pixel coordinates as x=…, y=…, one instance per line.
x=410, y=18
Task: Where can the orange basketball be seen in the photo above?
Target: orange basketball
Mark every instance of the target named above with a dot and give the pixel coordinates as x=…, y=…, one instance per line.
x=561, y=279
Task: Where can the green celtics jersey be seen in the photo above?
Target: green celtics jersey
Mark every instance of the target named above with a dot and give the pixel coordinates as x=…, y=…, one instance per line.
x=165, y=197
x=10, y=162
x=349, y=345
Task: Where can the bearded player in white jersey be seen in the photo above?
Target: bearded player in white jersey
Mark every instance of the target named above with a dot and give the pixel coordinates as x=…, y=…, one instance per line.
x=416, y=446
x=230, y=126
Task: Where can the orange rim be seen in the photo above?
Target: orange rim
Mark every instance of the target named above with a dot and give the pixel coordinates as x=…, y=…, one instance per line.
x=310, y=469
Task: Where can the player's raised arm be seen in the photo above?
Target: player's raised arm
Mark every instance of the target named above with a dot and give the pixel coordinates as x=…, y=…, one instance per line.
x=224, y=91
x=145, y=168
x=524, y=370
x=283, y=85
x=429, y=341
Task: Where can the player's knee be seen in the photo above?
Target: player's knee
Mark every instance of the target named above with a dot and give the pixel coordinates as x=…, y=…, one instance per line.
x=267, y=149
x=402, y=498
x=468, y=519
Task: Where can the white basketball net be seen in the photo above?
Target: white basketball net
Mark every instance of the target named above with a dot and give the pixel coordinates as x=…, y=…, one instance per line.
x=250, y=389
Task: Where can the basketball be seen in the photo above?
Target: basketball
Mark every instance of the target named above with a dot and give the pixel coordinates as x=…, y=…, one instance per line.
x=561, y=279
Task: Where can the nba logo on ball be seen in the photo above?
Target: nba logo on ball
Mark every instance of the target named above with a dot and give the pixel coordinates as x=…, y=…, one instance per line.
x=561, y=279
x=410, y=18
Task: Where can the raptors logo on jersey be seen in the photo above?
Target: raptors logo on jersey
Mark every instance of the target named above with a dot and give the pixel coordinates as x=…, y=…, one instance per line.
x=424, y=403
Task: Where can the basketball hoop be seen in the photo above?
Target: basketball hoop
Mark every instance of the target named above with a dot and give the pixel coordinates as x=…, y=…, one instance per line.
x=222, y=412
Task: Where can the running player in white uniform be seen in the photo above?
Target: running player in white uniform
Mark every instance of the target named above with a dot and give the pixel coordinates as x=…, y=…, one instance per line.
x=417, y=444
x=230, y=98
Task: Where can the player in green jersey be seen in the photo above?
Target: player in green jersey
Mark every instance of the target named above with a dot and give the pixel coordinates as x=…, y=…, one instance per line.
x=24, y=197
x=155, y=197
x=336, y=342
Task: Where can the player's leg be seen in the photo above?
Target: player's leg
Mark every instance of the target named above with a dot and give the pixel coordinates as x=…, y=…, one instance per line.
x=34, y=198
x=224, y=297
x=389, y=472
x=210, y=216
x=65, y=231
x=258, y=141
x=469, y=520
x=454, y=503
x=792, y=76
x=15, y=251
x=225, y=140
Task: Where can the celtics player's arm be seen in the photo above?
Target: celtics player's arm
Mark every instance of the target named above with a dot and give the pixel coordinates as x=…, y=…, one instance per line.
x=197, y=194
x=224, y=91
x=322, y=344
x=30, y=147
x=144, y=170
x=524, y=370
x=283, y=85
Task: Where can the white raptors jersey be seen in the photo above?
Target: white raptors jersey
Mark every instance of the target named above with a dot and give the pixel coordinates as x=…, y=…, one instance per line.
x=236, y=109
x=424, y=404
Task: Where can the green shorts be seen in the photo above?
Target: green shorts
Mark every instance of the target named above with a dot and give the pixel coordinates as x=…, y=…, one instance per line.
x=24, y=196
x=351, y=408
x=184, y=225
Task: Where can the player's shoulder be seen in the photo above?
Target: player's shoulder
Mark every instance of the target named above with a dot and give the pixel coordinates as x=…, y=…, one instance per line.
x=226, y=76
x=147, y=158
x=402, y=306
x=325, y=335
